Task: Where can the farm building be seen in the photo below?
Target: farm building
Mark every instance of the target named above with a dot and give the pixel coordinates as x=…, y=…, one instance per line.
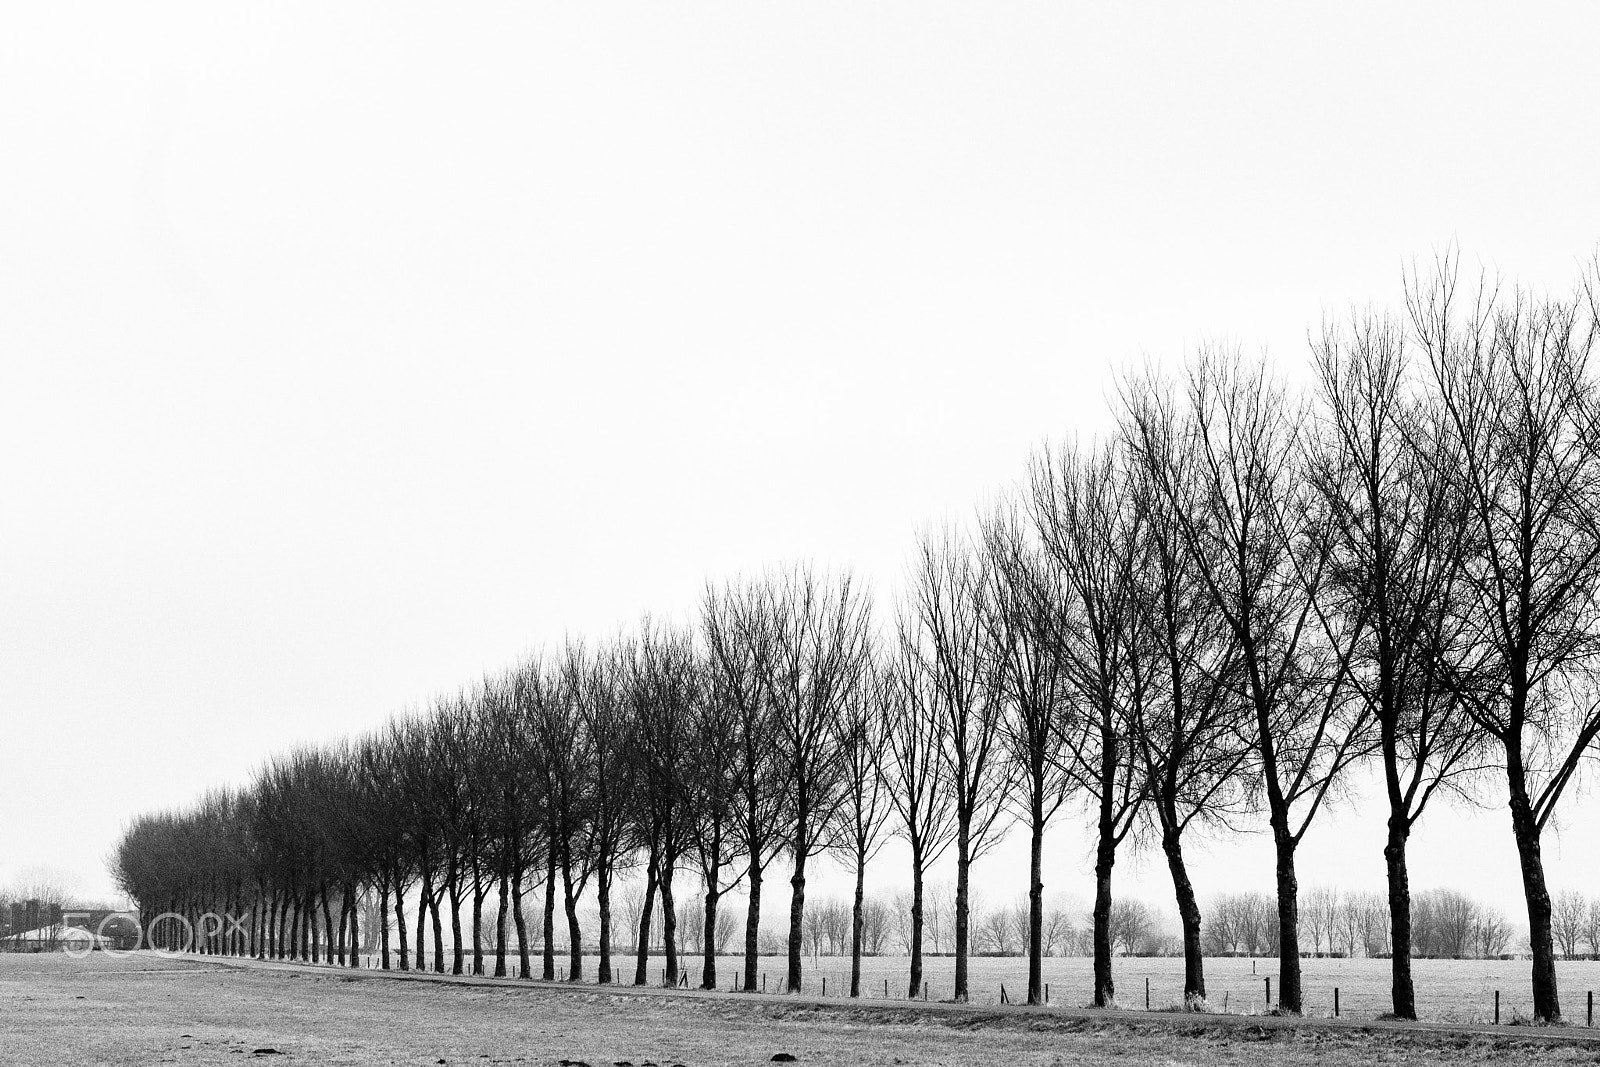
x=57, y=938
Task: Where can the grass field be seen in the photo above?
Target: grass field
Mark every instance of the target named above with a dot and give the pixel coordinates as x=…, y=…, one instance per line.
x=1447, y=990
x=146, y=1009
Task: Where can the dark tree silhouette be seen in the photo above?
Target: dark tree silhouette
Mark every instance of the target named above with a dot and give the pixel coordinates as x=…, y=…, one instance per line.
x=1513, y=378
x=1398, y=525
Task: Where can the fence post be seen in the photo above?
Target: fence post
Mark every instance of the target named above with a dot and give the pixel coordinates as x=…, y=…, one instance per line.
x=1147, y=994
x=1047, y=992
x=886, y=989
x=1497, y=1007
x=763, y=981
x=1335, y=1002
x=924, y=990
x=824, y=985
x=1591, y=1009
x=1269, y=994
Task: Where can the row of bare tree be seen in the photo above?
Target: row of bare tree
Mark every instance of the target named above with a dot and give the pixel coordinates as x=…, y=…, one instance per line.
x=1211, y=615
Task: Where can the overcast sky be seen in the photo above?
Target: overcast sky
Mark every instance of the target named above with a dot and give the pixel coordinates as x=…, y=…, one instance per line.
x=348, y=352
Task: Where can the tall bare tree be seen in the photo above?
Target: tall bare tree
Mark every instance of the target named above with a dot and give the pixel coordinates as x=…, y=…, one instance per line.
x=1398, y=523
x=666, y=685
x=1513, y=377
x=946, y=638
x=714, y=793
x=740, y=639
x=1088, y=531
x=1256, y=536
x=914, y=771
x=819, y=657
x=1024, y=618
x=603, y=711
x=864, y=810
x=1188, y=728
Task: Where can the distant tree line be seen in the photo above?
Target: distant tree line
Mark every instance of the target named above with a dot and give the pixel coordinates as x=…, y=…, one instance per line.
x=1206, y=618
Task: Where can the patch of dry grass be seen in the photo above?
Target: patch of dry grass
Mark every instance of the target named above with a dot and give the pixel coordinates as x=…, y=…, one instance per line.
x=148, y=1010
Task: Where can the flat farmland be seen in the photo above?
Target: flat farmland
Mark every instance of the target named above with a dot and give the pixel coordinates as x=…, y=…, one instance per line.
x=1458, y=991
x=149, y=1009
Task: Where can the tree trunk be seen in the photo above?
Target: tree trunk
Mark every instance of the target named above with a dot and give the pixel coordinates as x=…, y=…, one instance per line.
x=479, y=892
x=344, y=924
x=1289, y=1000
x=1546, y=997
x=1194, y=967
x=400, y=924
x=549, y=973
x=915, y=987
x=963, y=888
x=457, y=954
x=708, y=969
x=603, y=895
x=355, y=934
x=524, y=968
x=438, y=934
x=1105, y=987
x=383, y=919
x=669, y=918
x=1036, y=902
x=574, y=934
x=327, y=921
x=797, y=903
x=856, y=924
x=500, y=921
x=1394, y=858
x=641, y=972
x=424, y=898
x=752, y=927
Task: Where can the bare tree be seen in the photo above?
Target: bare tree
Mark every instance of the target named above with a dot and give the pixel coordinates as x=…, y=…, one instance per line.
x=913, y=769
x=740, y=639
x=862, y=725
x=1088, y=530
x=1189, y=728
x=819, y=658
x=1443, y=923
x=1322, y=912
x=1568, y=912
x=1591, y=927
x=1257, y=541
x=569, y=753
x=1385, y=468
x=946, y=643
x=1491, y=933
x=1131, y=922
x=665, y=688
x=715, y=790
x=1513, y=378
x=603, y=711
x=1025, y=622
x=1059, y=931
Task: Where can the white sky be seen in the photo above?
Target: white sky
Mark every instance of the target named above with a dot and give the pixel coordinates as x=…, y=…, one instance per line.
x=348, y=351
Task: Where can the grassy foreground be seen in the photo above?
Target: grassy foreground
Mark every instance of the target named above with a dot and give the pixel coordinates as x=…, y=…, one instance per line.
x=146, y=1009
